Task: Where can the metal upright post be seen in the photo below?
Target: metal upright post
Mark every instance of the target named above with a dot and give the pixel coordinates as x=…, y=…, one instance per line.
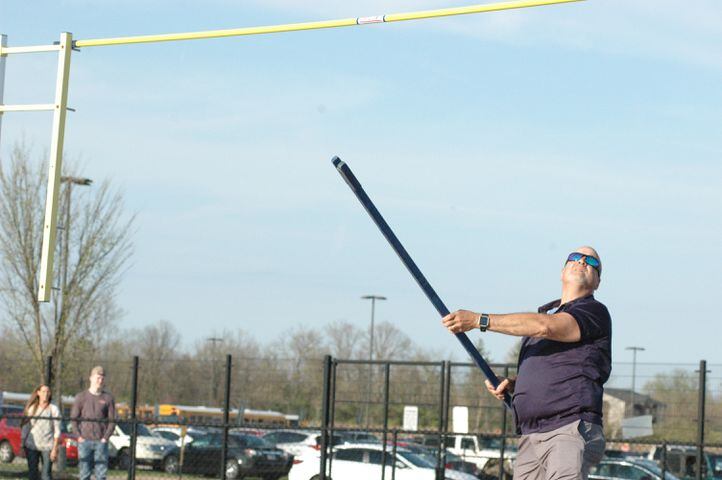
x=447, y=402
x=395, y=438
x=663, y=459
x=55, y=168
x=325, y=415
x=332, y=413
x=49, y=377
x=133, y=419
x=373, y=299
x=387, y=374
x=332, y=406
x=503, y=432
x=226, y=416
x=701, y=396
x=634, y=376
x=442, y=412
x=3, y=44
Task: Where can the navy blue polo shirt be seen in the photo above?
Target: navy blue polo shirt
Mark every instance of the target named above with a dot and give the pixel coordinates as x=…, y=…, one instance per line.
x=560, y=382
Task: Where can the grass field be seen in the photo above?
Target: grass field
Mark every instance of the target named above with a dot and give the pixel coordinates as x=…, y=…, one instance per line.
x=19, y=469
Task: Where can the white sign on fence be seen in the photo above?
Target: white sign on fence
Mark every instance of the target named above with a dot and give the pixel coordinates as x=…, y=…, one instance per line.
x=460, y=419
x=411, y=418
x=633, y=427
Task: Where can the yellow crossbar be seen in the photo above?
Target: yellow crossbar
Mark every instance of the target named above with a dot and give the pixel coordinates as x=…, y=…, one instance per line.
x=293, y=27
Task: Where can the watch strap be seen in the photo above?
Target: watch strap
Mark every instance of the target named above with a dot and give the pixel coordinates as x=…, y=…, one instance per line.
x=483, y=322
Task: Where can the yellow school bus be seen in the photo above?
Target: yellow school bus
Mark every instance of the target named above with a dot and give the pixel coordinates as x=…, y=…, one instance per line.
x=167, y=413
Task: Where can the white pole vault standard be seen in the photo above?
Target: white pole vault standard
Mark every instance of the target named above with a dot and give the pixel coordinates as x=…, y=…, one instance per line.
x=64, y=50
x=3, y=43
x=56, y=163
x=294, y=27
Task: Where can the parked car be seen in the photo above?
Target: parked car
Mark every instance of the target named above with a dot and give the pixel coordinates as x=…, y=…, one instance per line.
x=180, y=436
x=715, y=461
x=453, y=461
x=477, y=449
x=682, y=461
x=349, y=436
x=69, y=442
x=149, y=449
x=631, y=469
x=247, y=455
x=364, y=461
x=256, y=432
x=623, y=453
x=10, y=433
x=298, y=442
x=10, y=410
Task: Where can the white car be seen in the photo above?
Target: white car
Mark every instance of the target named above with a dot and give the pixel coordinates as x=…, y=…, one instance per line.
x=480, y=450
x=298, y=442
x=149, y=449
x=363, y=461
x=180, y=436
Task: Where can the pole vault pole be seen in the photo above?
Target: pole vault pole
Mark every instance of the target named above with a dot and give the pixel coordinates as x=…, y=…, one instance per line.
x=357, y=189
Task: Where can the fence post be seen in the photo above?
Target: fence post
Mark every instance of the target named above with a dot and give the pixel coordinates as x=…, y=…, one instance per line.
x=664, y=459
x=503, y=431
x=332, y=412
x=226, y=416
x=49, y=378
x=133, y=419
x=325, y=415
x=440, y=454
x=700, y=416
x=393, y=454
x=447, y=402
x=332, y=405
x=387, y=374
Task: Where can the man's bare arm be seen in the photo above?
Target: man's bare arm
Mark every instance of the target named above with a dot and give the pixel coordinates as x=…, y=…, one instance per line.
x=561, y=327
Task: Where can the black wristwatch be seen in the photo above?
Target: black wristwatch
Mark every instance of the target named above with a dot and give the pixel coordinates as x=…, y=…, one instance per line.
x=483, y=322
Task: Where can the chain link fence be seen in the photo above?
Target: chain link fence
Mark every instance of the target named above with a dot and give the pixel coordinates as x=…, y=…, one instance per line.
x=274, y=418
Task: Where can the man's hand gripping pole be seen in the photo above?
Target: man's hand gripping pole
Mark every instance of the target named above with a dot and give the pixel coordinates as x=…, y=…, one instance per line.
x=358, y=190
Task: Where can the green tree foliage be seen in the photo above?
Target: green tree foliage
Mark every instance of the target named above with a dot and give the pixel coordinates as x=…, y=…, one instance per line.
x=677, y=390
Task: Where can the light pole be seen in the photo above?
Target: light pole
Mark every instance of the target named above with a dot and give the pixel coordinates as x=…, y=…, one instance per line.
x=373, y=299
x=634, y=371
x=69, y=181
x=214, y=382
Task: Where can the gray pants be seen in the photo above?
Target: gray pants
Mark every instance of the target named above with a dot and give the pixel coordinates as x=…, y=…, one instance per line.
x=566, y=453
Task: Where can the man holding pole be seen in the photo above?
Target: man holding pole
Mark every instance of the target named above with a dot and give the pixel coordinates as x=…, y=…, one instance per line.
x=564, y=361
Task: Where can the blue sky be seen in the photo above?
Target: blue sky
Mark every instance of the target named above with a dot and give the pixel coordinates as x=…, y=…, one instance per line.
x=494, y=144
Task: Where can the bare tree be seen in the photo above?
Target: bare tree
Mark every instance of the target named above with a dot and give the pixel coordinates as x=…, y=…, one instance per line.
x=392, y=343
x=91, y=261
x=512, y=356
x=156, y=347
x=344, y=339
x=678, y=391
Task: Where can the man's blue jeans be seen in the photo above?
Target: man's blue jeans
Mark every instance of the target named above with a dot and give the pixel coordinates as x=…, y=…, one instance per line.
x=93, y=455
